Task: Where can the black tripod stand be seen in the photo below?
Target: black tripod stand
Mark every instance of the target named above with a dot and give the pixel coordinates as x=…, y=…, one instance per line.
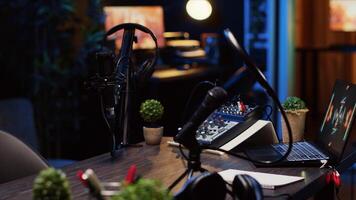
x=194, y=165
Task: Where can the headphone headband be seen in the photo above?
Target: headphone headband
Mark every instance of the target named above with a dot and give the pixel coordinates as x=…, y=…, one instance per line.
x=133, y=26
x=212, y=186
x=129, y=26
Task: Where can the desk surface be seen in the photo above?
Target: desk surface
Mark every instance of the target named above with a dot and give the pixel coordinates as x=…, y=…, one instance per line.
x=163, y=163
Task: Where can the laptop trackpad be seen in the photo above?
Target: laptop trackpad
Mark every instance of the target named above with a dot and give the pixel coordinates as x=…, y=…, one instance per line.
x=263, y=154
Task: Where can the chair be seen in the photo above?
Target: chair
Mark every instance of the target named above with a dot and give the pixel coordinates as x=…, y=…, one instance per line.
x=17, y=118
x=17, y=159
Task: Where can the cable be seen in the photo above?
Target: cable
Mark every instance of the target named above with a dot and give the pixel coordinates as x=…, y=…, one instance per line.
x=278, y=196
x=107, y=123
x=103, y=113
x=120, y=76
x=268, y=114
x=264, y=83
x=192, y=93
x=180, y=147
x=236, y=155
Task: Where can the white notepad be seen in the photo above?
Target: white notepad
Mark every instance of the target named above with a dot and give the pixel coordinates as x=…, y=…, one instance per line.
x=267, y=181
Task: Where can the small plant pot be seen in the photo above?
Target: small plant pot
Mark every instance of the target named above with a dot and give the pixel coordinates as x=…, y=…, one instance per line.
x=153, y=136
x=297, y=122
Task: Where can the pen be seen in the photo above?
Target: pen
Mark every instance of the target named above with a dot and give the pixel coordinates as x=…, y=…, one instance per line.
x=219, y=153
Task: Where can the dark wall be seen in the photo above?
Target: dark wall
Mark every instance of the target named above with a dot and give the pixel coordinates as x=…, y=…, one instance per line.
x=90, y=131
x=226, y=14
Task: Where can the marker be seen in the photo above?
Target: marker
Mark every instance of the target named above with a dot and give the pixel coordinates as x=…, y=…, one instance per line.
x=93, y=182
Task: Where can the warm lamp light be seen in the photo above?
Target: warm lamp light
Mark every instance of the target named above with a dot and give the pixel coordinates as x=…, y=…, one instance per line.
x=199, y=9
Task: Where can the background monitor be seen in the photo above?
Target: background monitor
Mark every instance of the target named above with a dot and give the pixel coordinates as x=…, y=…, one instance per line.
x=149, y=16
x=342, y=15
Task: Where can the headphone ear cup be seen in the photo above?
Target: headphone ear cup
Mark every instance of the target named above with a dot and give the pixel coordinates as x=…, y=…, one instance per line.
x=202, y=187
x=246, y=187
x=209, y=186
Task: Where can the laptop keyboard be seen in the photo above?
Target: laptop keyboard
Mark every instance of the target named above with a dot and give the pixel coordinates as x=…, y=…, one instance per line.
x=301, y=151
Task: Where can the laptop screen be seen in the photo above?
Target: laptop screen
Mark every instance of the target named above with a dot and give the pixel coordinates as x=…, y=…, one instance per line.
x=339, y=118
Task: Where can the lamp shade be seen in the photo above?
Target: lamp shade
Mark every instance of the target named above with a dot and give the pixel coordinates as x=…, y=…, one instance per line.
x=199, y=9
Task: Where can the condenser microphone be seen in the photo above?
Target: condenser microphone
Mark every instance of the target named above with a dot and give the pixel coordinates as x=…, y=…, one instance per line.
x=105, y=62
x=212, y=101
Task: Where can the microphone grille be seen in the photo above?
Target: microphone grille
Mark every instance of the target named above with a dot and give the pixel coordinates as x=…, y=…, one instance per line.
x=218, y=95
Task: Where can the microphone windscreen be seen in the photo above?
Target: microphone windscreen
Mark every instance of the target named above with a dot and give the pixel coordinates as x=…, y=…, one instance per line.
x=217, y=95
x=186, y=136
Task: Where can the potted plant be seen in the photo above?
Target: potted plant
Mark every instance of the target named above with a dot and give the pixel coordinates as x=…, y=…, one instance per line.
x=296, y=112
x=51, y=184
x=151, y=112
x=144, y=189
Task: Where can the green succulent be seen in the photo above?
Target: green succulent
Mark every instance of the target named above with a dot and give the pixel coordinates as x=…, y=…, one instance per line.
x=294, y=103
x=151, y=110
x=51, y=184
x=144, y=189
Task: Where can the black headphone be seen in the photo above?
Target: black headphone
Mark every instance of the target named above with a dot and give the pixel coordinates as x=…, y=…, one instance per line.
x=246, y=187
x=147, y=67
x=212, y=186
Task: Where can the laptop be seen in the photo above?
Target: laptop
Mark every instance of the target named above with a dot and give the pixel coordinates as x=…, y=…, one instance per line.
x=331, y=139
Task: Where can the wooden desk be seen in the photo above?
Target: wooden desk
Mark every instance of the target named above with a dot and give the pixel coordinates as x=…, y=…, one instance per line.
x=162, y=162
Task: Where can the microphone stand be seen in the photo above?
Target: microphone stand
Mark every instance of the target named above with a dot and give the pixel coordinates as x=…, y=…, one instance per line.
x=104, y=83
x=186, y=135
x=193, y=164
x=119, y=119
x=126, y=87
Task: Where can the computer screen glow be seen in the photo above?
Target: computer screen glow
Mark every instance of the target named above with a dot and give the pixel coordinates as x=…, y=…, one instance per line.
x=148, y=16
x=343, y=15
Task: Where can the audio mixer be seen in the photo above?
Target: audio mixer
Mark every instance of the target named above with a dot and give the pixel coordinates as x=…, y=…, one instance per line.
x=226, y=122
